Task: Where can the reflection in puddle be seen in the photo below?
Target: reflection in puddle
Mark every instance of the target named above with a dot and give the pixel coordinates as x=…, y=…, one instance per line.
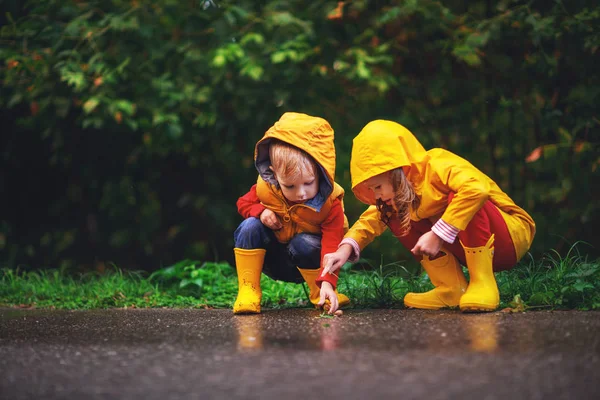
x=439, y=332
x=329, y=336
x=482, y=330
x=250, y=334
x=255, y=333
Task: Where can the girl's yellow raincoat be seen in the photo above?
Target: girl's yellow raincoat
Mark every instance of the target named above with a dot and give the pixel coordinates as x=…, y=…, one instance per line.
x=385, y=145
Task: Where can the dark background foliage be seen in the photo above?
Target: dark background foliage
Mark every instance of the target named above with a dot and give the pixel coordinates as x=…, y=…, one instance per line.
x=128, y=127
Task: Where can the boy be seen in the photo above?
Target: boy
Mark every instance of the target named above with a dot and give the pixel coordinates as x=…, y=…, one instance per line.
x=293, y=215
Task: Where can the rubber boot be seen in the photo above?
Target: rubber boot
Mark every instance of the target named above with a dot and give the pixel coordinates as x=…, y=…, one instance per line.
x=310, y=276
x=450, y=284
x=248, y=263
x=482, y=293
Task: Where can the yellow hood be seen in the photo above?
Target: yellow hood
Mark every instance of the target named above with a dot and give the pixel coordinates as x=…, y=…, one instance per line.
x=314, y=135
x=380, y=147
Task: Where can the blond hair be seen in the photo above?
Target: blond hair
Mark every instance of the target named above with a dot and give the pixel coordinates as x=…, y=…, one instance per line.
x=289, y=161
x=405, y=199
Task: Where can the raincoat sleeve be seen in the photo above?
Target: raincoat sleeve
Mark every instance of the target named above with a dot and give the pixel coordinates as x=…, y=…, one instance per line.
x=367, y=228
x=471, y=188
x=332, y=231
x=249, y=205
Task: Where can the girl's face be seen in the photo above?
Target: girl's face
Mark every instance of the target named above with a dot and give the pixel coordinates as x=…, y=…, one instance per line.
x=381, y=187
x=299, y=189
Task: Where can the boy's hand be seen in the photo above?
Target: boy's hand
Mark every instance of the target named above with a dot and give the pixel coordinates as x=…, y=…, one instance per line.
x=334, y=261
x=429, y=244
x=270, y=220
x=327, y=292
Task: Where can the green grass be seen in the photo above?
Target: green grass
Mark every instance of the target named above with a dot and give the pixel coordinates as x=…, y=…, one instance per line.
x=554, y=282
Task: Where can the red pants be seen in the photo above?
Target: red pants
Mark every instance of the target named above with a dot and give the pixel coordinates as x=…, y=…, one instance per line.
x=487, y=221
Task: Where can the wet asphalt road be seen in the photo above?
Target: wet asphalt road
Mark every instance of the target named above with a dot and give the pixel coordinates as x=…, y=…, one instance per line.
x=293, y=354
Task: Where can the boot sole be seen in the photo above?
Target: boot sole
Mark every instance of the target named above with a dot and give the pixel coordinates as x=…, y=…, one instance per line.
x=236, y=312
x=247, y=309
x=428, y=306
x=421, y=307
x=473, y=308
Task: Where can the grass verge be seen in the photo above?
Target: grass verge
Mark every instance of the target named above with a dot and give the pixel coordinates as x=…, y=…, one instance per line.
x=554, y=282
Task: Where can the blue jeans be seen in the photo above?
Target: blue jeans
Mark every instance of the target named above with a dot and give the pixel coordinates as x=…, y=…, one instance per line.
x=281, y=259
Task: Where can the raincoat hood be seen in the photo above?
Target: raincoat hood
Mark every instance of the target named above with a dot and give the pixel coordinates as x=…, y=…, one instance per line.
x=311, y=134
x=380, y=147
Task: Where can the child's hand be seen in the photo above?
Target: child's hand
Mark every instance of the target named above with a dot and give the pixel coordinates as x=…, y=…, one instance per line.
x=429, y=244
x=334, y=261
x=270, y=220
x=327, y=292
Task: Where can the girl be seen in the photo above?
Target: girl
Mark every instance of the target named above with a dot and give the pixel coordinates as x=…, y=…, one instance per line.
x=442, y=208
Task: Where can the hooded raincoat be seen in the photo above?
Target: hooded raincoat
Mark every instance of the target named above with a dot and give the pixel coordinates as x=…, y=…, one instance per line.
x=323, y=214
x=385, y=145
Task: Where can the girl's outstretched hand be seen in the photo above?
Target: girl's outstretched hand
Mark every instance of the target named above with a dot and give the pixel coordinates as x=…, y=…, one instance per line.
x=429, y=244
x=334, y=261
x=327, y=292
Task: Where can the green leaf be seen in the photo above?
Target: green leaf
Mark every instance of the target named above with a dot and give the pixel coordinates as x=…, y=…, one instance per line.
x=477, y=39
x=90, y=105
x=253, y=71
x=121, y=67
x=362, y=71
x=278, y=57
x=126, y=106
x=186, y=282
x=219, y=60
x=565, y=135
x=581, y=286
x=76, y=79
x=14, y=100
x=252, y=37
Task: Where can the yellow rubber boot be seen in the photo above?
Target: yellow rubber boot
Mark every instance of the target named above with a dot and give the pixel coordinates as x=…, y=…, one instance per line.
x=482, y=293
x=450, y=284
x=310, y=276
x=249, y=264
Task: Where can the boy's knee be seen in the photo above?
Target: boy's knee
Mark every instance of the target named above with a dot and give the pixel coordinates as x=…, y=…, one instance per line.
x=250, y=234
x=250, y=224
x=305, y=245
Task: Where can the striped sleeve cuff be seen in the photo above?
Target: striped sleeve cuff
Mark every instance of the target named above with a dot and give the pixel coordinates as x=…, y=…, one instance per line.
x=355, y=247
x=445, y=231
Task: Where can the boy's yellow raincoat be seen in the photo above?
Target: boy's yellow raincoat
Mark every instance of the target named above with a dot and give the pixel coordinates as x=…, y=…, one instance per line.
x=385, y=145
x=315, y=136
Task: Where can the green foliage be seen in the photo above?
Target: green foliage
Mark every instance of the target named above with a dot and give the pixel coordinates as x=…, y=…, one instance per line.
x=133, y=123
x=58, y=289
x=381, y=286
x=216, y=284
x=554, y=282
x=187, y=274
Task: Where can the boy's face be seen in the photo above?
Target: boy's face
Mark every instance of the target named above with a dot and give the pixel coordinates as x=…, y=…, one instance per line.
x=298, y=189
x=381, y=187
